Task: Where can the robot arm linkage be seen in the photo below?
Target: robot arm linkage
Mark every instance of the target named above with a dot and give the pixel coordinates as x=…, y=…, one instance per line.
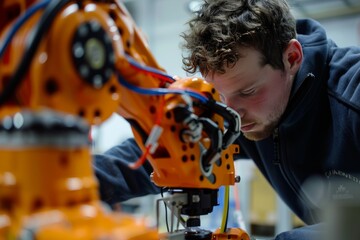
x=88, y=59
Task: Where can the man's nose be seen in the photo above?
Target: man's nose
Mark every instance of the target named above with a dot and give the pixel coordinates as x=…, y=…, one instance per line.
x=236, y=106
x=241, y=112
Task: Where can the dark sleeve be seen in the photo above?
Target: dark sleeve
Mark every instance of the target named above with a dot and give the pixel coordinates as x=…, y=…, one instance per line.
x=117, y=182
x=310, y=232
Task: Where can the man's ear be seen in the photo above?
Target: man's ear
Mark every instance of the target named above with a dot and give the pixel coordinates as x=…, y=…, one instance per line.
x=293, y=56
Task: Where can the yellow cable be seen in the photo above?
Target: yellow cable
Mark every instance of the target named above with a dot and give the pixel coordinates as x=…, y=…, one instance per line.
x=226, y=210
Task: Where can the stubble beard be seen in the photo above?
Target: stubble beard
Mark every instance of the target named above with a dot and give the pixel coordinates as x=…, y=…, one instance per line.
x=260, y=135
x=272, y=121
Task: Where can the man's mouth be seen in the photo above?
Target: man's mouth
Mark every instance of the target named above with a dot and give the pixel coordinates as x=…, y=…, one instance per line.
x=247, y=127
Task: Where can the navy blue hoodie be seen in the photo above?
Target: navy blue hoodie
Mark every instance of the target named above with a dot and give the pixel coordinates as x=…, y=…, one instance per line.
x=319, y=133
x=318, y=136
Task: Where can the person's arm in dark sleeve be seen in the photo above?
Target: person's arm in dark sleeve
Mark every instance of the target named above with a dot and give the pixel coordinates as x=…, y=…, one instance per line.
x=117, y=181
x=310, y=232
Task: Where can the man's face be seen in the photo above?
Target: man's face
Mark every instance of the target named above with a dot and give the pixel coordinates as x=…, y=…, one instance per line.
x=258, y=93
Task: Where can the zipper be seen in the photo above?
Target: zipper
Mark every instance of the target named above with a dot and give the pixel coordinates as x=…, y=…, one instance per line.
x=276, y=159
x=285, y=172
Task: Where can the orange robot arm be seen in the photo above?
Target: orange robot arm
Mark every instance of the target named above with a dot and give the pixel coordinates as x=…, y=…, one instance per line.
x=88, y=59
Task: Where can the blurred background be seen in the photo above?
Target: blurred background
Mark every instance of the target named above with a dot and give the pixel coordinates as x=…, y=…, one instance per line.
x=162, y=22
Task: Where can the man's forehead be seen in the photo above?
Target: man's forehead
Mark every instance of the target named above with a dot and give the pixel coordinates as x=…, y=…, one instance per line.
x=230, y=74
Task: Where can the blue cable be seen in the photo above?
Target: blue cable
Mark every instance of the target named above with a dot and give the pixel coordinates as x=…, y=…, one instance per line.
x=161, y=91
x=148, y=69
x=20, y=21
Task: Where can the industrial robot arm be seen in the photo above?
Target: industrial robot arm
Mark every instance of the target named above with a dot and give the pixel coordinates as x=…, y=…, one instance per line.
x=87, y=59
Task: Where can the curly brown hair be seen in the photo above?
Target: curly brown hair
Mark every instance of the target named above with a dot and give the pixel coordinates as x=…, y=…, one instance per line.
x=221, y=27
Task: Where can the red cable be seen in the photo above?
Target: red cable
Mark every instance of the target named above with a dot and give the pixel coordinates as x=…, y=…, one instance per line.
x=143, y=157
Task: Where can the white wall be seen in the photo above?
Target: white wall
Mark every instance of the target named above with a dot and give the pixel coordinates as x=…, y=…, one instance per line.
x=344, y=31
x=163, y=22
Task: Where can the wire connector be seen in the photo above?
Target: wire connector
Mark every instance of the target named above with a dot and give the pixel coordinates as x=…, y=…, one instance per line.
x=153, y=138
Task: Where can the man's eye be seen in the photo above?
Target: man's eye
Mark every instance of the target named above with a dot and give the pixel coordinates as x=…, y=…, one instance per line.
x=248, y=92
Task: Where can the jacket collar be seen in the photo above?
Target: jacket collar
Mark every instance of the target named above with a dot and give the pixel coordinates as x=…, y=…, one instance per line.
x=313, y=40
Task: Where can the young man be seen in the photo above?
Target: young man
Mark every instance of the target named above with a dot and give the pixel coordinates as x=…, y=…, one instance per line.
x=297, y=93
